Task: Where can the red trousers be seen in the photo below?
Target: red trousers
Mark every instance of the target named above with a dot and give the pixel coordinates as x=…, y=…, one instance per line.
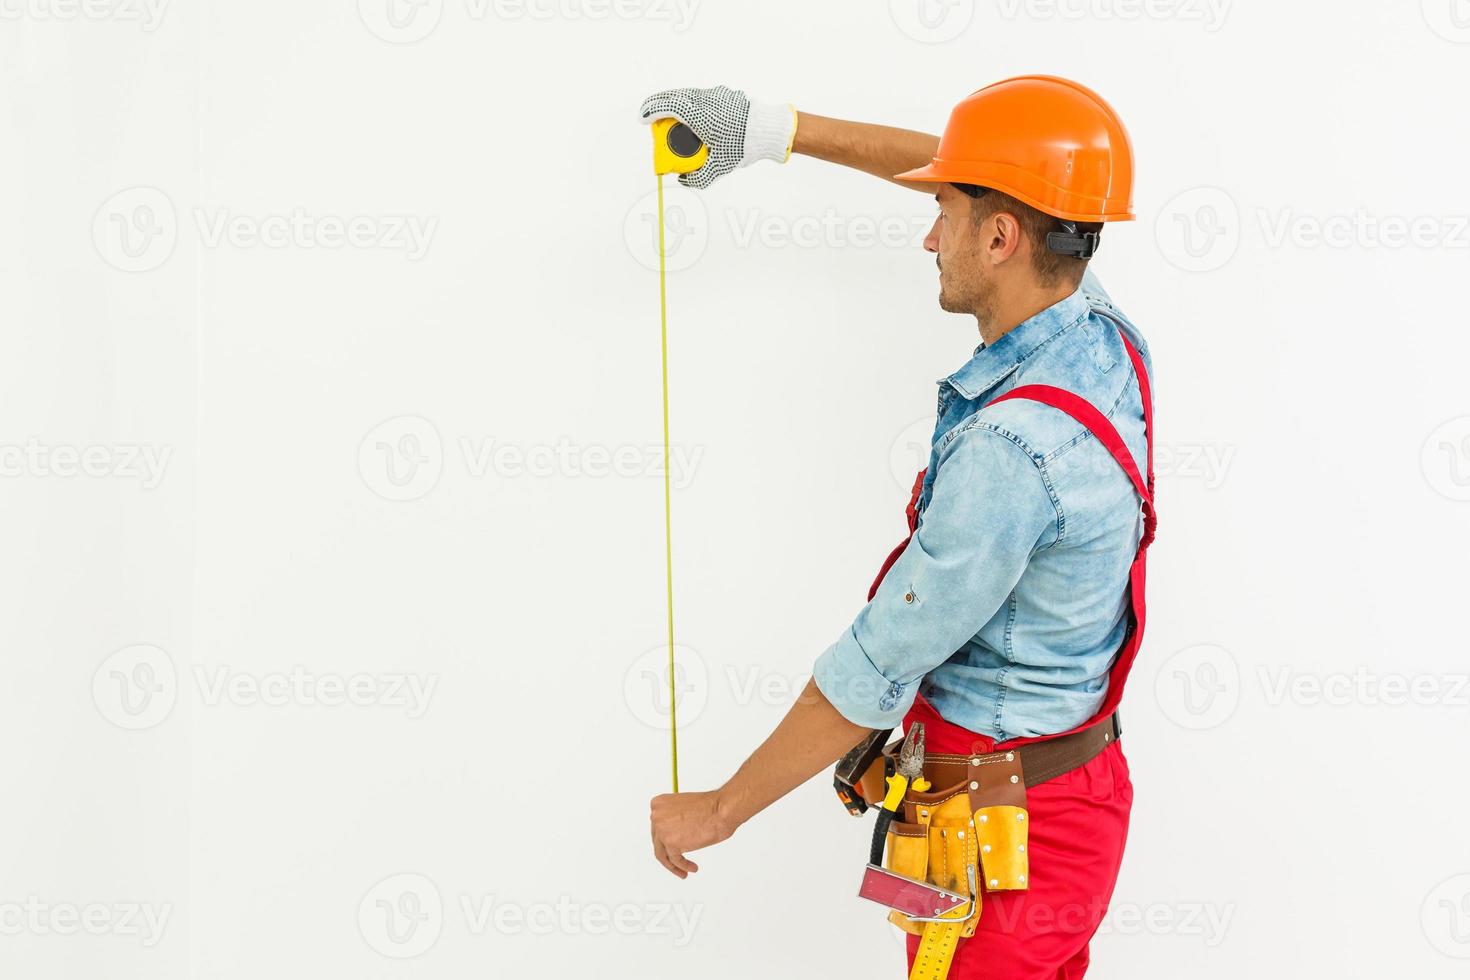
x=1079, y=823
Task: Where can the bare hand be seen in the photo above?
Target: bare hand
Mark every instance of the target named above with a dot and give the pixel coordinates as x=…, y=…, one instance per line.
x=683, y=822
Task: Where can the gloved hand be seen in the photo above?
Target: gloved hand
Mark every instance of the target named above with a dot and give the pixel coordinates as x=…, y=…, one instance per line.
x=737, y=131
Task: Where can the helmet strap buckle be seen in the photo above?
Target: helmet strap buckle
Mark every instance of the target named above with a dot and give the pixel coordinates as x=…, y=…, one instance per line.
x=1068, y=242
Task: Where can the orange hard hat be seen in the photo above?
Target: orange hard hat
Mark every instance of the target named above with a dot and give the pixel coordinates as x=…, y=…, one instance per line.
x=1046, y=141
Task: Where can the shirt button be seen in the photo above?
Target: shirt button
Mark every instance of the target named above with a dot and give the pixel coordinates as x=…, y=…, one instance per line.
x=908, y=597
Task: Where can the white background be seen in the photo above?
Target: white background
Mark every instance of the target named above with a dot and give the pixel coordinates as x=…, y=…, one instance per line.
x=385, y=463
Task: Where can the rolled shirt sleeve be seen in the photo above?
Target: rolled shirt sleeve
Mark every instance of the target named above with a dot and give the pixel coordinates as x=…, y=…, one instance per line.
x=988, y=512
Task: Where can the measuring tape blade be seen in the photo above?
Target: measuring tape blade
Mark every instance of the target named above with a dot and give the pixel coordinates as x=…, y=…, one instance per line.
x=676, y=150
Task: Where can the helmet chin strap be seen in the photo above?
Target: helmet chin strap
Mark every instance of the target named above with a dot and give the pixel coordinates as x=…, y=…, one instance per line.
x=1068, y=242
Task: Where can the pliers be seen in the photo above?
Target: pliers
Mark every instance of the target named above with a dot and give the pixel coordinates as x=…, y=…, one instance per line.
x=909, y=772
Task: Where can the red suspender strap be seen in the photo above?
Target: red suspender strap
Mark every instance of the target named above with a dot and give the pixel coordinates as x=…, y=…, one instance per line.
x=1095, y=422
x=1098, y=424
x=913, y=516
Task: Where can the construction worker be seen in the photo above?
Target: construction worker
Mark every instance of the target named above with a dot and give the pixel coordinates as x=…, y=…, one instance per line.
x=1007, y=621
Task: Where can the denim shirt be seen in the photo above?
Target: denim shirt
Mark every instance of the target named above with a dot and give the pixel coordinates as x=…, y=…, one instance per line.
x=1009, y=604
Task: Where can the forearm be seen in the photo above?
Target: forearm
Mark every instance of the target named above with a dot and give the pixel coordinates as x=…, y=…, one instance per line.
x=811, y=737
x=878, y=150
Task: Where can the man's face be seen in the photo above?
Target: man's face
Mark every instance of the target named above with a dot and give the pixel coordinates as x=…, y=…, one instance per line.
x=956, y=240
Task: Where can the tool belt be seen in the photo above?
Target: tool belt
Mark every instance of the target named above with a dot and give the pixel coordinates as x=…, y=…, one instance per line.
x=1042, y=761
x=967, y=835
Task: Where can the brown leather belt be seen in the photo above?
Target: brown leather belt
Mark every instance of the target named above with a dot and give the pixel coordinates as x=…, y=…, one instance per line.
x=1039, y=761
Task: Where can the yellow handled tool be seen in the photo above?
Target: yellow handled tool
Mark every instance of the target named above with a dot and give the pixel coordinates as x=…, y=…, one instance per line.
x=676, y=150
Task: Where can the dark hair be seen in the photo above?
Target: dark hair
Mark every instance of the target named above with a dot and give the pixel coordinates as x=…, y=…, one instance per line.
x=1060, y=249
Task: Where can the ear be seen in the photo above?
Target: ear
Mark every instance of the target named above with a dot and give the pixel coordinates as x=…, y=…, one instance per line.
x=1005, y=237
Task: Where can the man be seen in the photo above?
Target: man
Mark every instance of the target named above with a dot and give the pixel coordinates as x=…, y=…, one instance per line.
x=1008, y=620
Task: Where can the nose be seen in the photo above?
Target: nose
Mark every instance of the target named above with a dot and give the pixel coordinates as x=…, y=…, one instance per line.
x=931, y=240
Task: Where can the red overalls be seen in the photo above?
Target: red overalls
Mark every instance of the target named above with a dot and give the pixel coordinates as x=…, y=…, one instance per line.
x=1079, y=820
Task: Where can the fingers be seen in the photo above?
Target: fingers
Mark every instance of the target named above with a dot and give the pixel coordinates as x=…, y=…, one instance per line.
x=677, y=864
x=661, y=105
x=699, y=179
x=669, y=856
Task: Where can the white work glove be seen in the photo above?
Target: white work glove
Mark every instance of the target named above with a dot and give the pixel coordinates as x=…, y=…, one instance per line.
x=737, y=131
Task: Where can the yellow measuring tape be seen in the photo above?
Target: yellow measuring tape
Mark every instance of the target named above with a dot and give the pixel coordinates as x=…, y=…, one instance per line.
x=676, y=150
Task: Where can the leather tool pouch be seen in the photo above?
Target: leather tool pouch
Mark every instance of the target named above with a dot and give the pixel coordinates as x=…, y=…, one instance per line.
x=968, y=838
